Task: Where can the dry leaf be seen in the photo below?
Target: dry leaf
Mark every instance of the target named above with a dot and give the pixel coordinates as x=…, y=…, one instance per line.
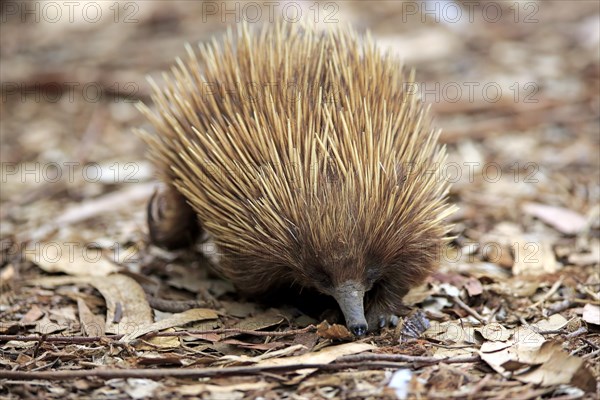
x=562, y=219
x=523, y=342
x=528, y=349
x=162, y=342
x=591, y=258
x=591, y=314
x=106, y=203
x=417, y=295
x=451, y=332
x=481, y=270
x=9, y=328
x=254, y=346
x=53, y=281
x=180, y=319
x=534, y=258
x=325, y=356
x=141, y=388
x=129, y=254
x=308, y=340
x=71, y=258
x=268, y=355
x=333, y=332
x=267, y=319
x=32, y=315
x=66, y=314
x=495, y=332
x=521, y=288
x=238, y=309
x=473, y=287
x=154, y=358
x=447, y=352
x=46, y=326
x=552, y=323
x=127, y=307
x=7, y=274
x=400, y=382
x=557, y=367
x=91, y=324
x=229, y=391
x=23, y=359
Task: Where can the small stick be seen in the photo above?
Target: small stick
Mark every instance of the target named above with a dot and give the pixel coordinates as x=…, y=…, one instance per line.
x=577, y=350
x=93, y=339
x=468, y=309
x=160, y=373
x=585, y=301
x=560, y=306
x=480, y=385
x=591, y=355
x=576, y=333
x=493, y=314
x=594, y=345
x=549, y=293
x=410, y=359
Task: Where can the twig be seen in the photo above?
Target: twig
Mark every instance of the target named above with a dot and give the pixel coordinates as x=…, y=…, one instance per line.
x=548, y=332
x=493, y=314
x=560, y=306
x=468, y=309
x=310, y=328
x=549, y=293
x=38, y=345
x=410, y=359
x=577, y=350
x=480, y=385
x=57, y=339
x=591, y=355
x=591, y=284
x=585, y=301
x=575, y=396
x=195, y=373
x=94, y=339
x=594, y=345
x=445, y=346
x=46, y=366
x=576, y=333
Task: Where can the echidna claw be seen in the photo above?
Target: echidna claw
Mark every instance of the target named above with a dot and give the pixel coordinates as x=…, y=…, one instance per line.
x=388, y=320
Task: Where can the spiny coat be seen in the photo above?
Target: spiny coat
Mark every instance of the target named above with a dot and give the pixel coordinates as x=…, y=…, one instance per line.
x=310, y=161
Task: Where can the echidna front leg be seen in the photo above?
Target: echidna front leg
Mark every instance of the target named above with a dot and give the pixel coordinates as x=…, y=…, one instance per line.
x=383, y=306
x=172, y=223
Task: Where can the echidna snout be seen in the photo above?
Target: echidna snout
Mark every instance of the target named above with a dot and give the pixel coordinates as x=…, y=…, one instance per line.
x=350, y=297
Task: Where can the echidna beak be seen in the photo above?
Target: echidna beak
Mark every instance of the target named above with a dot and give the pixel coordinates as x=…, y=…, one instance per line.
x=350, y=296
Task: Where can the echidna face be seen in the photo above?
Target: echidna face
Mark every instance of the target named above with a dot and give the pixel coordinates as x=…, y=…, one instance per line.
x=348, y=282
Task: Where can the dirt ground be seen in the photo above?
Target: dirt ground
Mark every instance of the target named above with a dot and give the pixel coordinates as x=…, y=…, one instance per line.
x=513, y=312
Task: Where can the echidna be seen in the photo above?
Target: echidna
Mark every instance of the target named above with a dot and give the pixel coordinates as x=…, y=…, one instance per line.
x=307, y=159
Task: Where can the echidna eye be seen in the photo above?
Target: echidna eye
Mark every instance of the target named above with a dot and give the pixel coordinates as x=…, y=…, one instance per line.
x=322, y=277
x=372, y=275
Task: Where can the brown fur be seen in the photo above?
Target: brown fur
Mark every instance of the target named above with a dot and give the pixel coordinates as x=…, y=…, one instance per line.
x=340, y=185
